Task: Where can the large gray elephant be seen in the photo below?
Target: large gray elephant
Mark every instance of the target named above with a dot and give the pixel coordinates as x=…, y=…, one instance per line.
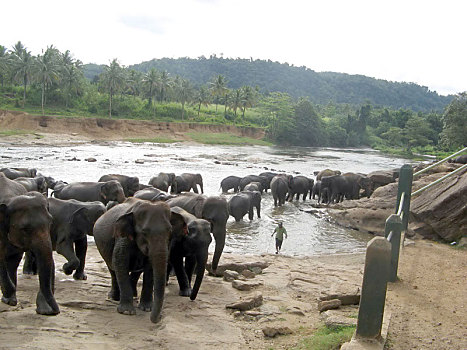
x=213, y=209
x=300, y=185
x=152, y=194
x=253, y=178
x=322, y=195
x=230, y=182
x=357, y=182
x=337, y=187
x=280, y=188
x=133, y=237
x=254, y=186
x=244, y=202
x=130, y=184
x=72, y=220
x=25, y=226
x=92, y=191
x=269, y=176
x=13, y=173
x=190, y=241
x=38, y=183
x=187, y=182
x=163, y=181
x=327, y=172
x=460, y=159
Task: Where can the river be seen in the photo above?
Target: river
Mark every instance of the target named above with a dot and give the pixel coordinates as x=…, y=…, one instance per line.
x=307, y=234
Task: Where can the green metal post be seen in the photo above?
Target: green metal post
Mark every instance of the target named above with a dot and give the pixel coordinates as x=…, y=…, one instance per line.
x=405, y=186
x=394, y=225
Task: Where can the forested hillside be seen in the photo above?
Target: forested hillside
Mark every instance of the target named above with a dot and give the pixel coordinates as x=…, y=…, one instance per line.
x=272, y=76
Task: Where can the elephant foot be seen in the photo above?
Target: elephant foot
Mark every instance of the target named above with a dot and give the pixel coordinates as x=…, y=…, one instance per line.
x=45, y=309
x=114, y=295
x=126, y=309
x=145, y=305
x=12, y=301
x=67, y=269
x=80, y=276
x=186, y=292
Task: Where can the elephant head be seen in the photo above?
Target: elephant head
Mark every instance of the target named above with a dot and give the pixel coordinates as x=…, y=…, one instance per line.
x=148, y=225
x=25, y=223
x=192, y=236
x=132, y=184
x=366, y=184
x=112, y=191
x=199, y=181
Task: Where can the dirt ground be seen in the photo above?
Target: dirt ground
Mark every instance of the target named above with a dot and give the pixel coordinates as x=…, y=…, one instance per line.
x=427, y=304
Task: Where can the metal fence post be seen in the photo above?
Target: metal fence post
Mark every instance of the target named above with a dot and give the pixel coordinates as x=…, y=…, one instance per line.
x=405, y=186
x=373, y=295
x=392, y=231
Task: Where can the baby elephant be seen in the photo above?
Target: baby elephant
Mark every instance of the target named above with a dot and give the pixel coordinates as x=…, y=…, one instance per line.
x=244, y=202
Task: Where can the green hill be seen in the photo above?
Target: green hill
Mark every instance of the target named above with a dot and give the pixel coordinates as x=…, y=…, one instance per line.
x=320, y=87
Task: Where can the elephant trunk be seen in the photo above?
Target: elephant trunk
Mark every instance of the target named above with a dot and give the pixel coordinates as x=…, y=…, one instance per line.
x=201, y=186
x=201, y=260
x=219, y=236
x=159, y=270
x=46, y=271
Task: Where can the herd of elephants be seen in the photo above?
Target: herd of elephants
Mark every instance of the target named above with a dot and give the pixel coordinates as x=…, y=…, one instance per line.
x=138, y=229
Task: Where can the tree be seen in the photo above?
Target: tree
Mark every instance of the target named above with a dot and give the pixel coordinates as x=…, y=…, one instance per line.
x=416, y=133
x=454, y=134
x=235, y=100
x=277, y=110
x=308, y=125
x=21, y=65
x=165, y=83
x=184, y=93
x=218, y=88
x=112, y=78
x=202, y=97
x=3, y=63
x=248, y=98
x=151, y=81
x=46, y=70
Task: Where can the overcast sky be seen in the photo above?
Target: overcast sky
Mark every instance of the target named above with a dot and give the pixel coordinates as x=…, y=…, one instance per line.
x=414, y=41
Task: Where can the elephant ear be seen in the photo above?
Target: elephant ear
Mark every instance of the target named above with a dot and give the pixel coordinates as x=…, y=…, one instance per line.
x=4, y=220
x=178, y=222
x=80, y=218
x=124, y=226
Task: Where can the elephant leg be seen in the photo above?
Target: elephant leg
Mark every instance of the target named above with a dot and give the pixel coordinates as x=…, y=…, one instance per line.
x=12, y=266
x=8, y=286
x=134, y=276
x=45, y=301
x=195, y=189
x=121, y=262
x=81, y=247
x=190, y=263
x=66, y=249
x=145, y=301
x=29, y=266
x=304, y=196
x=114, y=293
x=250, y=213
x=177, y=262
x=258, y=211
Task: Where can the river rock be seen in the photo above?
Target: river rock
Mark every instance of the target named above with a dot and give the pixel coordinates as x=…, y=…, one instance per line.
x=237, y=266
x=443, y=209
x=336, y=320
x=139, y=161
x=272, y=332
x=382, y=177
x=247, y=304
x=229, y=275
x=248, y=273
x=245, y=285
x=91, y=160
x=324, y=305
x=346, y=299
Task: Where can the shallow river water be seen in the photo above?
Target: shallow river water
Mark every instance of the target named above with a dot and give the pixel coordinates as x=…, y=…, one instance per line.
x=308, y=234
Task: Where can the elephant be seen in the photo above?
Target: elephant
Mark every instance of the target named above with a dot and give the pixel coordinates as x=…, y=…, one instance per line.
x=322, y=195
x=280, y=188
x=460, y=159
x=72, y=220
x=163, y=181
x=338, y=187
x=190, y=240
x=269, y=176
x=186, y=182
x=130, y=184
x=13, y=173
x=300, y=185
x=254, y=186
x=327, y=172
x=230, y=182
x=38, y=183
x=134, y=237
x=152, y=194
x=358, y=182
x=253, y=178
x=25, y=226
x=244, y=202
x=92, y=191
x=213, y=209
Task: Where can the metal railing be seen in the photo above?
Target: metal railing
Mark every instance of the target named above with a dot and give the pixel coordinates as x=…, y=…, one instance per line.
x=382, y=255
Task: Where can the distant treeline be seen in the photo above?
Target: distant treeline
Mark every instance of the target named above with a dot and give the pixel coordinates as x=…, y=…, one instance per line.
x=319, y=87
x=53, y=82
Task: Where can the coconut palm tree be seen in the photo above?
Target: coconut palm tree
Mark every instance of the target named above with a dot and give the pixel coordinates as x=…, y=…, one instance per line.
x=165, y=83
x=22, y=63
x=46, y=70
x=202, y=98
x=248, y=98
x=112, y=79
x=151, y=82
x=3, y=63
x=184, y=93
x=133, y=82
x=235, y=100
x=218, y=87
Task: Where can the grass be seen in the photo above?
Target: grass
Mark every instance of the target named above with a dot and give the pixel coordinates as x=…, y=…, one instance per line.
x=225, y=139
x=159, y=139
x=4, y=133
x=326, y=338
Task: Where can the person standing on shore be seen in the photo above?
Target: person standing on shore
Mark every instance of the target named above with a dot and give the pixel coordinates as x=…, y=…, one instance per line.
x=280, y=231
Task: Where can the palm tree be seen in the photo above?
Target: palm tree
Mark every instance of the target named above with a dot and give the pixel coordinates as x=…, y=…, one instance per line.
x=46, y=70
x=22, y=63
x=184, y=92
x=235, y=100
x=71, y=79
x=165, y=83
x=151, y=81
x=248, y=98
x=218, y=87
x=3, y=62
x=133, y=82
x=112, y=78
x=202, y=98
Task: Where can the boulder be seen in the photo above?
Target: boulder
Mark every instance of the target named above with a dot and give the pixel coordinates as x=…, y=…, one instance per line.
x=237, y=266
x=443, y=208
x=229, y=275
x=324, y=305
x=382, y=177
x=248, y=273
x=247, y=304
x=272, y=332
x=245, y=285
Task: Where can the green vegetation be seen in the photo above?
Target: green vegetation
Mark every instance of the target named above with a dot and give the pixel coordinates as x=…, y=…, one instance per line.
x=53, y=83
x=158, y=139
x=14, y=132
x=225, y=139
x=326, y=338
